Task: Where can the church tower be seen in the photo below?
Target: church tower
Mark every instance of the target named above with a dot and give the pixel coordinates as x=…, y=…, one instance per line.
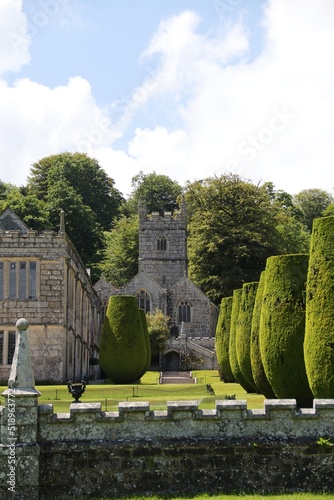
x=163, y=245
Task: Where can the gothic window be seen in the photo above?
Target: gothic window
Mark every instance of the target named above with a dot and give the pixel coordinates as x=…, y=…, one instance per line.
x=184, y=312
x=162, y=244
x=144, y=300
x=32, y=281
x=12, y=280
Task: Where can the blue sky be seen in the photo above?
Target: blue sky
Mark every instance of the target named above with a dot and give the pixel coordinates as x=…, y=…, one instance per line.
x=188, y=88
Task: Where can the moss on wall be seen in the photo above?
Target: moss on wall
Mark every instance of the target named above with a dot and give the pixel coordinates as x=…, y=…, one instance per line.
x=243, y=331
x=259, y=375
x=282, y=327
x=232, y=345
x=123, y=354
x=222, y=339
x=319, y=334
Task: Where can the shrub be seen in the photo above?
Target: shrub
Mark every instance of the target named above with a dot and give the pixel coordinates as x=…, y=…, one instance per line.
x=243, y=331
x=319, y=333
x=123, y=353
x=282, y=327
x=147, y=341
x=259, y=375
x=223, y=339
x=232, y=345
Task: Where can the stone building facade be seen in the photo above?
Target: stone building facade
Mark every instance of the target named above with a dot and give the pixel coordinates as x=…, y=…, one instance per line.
x=162, y=283
x=43, y=279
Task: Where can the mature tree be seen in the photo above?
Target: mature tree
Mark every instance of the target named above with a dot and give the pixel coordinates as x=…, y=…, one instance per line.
x=232, y=231
x=81, y=222
x=158, y=330
x=120, y=256
x=29, y=208
x=85, y=177
x=159, y=192
x=312, y=203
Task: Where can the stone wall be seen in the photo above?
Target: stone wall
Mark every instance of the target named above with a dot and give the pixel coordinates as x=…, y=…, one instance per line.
x=179, y=450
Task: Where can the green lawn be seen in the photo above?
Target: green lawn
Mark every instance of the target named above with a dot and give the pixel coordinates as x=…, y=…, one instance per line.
x=109, y=395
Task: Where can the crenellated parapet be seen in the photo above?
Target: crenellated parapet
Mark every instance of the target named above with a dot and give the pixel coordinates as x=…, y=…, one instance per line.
x=279, y=420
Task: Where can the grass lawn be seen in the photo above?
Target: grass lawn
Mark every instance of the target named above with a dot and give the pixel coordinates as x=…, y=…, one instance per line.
x=109, y=395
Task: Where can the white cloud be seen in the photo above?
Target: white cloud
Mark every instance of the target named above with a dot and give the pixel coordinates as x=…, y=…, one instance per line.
x=234, y=106
x=14, y=38
x=211, y=108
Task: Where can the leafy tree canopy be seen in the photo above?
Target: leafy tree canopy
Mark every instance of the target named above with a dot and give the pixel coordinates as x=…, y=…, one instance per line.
x=158, y=191
x=29, y=208
x=86, y=178
x=120, y=256
x=232, y=230
x=312, y=204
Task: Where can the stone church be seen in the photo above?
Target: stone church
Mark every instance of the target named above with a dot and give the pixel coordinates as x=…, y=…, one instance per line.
x=162, y=283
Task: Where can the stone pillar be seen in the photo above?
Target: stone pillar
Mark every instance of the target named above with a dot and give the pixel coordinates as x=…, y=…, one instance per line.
x=19, y=449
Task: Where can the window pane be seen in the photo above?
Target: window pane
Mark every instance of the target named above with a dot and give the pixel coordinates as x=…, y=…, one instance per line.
x=1, y=280
x=23, y=281
x=11, y=347
x=12, y=281
x=32, y=280
x=1, y=347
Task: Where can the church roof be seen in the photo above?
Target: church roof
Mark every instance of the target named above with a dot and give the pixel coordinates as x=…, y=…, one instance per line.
x=9, y=221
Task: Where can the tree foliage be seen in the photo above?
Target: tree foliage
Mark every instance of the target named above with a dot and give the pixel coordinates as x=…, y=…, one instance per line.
x=159, y=192
x=157, y=324
x=232, y=231
x=120, y=256
x=312, y=203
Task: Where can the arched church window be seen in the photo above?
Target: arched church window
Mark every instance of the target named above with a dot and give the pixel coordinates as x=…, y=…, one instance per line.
x=184, y=312
x=144, y=300
x=162, y=244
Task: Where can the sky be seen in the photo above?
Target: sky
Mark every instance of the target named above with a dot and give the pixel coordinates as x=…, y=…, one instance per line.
x=186, y=88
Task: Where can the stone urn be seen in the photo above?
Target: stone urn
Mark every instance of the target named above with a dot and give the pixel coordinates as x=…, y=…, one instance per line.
x=76, y=389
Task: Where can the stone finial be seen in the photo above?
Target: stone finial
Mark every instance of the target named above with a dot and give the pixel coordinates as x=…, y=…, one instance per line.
x=21, y=374
x=62, y=222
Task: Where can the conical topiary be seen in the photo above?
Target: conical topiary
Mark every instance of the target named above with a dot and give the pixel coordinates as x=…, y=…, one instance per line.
x=223, y=339
x=123, y=353
x=232, y=345
x=319, y=332
x=259, y=375
x=243, y=331
x=282, y=327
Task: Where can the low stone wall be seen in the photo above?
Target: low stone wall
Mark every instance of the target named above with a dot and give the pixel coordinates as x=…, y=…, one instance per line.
x=179, y=450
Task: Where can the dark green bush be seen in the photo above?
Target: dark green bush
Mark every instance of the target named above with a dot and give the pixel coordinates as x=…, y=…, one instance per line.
x=147, y=341
x=282, y=327
x=232, y=345
x=123, y=353
x=319, y=332
x=259, y=375
x=223, y=339
x=243, y=331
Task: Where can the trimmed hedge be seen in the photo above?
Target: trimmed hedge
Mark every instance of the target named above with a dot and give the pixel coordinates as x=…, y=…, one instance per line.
x=243, y=331
x=232, y=345
x=259, y=375
x=282, y=327
x=319, y=333
x=223, y=339
x=123, y=353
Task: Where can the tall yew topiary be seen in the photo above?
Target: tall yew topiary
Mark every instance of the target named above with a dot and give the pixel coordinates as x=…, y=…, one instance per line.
x=259, y=375
x=243, y=331
x=282, y=327
x=319, y=333
x=123, y=353
x=223, y=339
x=232, y=345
